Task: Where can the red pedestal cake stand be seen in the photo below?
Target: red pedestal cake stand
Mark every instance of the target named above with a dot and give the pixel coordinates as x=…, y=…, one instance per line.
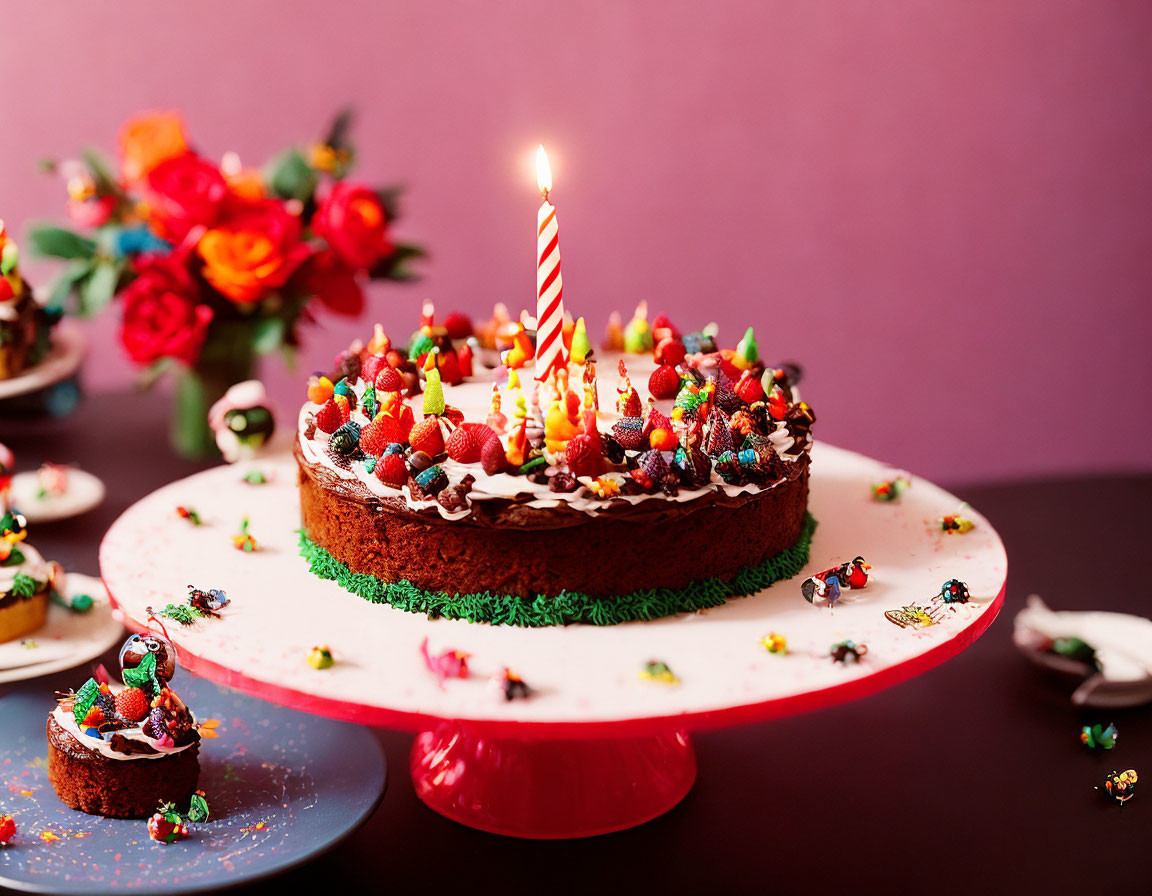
x=598, y=747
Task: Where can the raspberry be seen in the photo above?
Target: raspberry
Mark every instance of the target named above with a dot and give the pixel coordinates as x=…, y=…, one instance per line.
x=583, y=456
x=328, y=418
x=426, y=436
x=458, y=325
x=388, y=380
x=629, y=404
x=664, y=383
x=465, y=443
x=391, y=470
x=492, y=457
x=132, y=704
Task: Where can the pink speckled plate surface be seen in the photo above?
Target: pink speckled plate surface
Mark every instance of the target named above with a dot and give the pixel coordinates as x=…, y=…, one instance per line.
x=585, y=677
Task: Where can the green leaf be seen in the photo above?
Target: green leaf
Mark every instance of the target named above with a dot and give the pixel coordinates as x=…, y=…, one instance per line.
x=290, y=176
x=23, y=585
x=97, y=290
x=60, y=243
x=144, y=675
x=66, y=283
x=85, y=699
x=396, y=265
x=267, y=334
x=198, y=809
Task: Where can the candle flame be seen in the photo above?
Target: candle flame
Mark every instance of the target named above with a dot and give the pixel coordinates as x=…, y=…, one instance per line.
x=543, y=172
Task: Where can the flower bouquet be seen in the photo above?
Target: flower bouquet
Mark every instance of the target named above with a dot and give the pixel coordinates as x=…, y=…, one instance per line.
x=217, y=264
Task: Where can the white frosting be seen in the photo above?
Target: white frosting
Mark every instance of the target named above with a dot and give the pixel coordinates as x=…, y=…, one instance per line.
x=66, y=720
x=34, y=565
x=473, y=398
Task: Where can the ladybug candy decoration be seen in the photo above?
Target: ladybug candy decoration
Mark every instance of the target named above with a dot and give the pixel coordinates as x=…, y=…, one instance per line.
x=824, y=588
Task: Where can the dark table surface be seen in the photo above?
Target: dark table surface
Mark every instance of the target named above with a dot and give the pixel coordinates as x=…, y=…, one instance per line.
x=968, y=778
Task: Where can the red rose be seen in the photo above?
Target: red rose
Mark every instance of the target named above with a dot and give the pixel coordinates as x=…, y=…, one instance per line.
x=352, y=221
x=162, y=315
x=182, y=193
x=332, y=282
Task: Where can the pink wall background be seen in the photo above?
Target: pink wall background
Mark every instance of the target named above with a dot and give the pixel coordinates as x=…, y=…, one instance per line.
x=943, y=209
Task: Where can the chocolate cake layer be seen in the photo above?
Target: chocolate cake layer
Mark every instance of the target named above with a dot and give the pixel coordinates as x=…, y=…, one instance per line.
x=525, y=551
x=128, y=788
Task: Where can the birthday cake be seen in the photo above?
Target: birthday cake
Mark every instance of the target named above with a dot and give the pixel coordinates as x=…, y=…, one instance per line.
x=634, y=484
x=24, y=324
x=26, y=578
x=120, y=751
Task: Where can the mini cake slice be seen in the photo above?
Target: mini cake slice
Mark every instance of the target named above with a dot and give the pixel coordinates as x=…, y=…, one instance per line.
x=122, y=751
x=25, y=581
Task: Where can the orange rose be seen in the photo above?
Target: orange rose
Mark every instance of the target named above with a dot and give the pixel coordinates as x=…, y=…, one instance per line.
x=149, y=139
x=252, y=252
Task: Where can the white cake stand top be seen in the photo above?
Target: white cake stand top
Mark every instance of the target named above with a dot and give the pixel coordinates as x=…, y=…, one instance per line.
x=586, y=679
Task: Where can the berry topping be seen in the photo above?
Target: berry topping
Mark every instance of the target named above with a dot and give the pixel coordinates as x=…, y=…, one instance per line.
x=388, y=380
x=629, y=432
x=132, y=704
x=328, y=418
x=583, y=456
x=664, y=382
x=466, y=441
x=426, y=436
x=371, y=367
x=492, y=457
x=391, y=470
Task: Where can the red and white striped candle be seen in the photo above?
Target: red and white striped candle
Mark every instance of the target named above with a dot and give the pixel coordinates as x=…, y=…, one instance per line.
x=550, y=354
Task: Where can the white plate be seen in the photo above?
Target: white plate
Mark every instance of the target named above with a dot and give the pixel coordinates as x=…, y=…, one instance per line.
x=84, y=492
x=67, y=639
x=63, y=360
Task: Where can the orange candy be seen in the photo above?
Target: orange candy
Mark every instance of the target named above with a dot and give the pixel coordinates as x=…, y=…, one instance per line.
x=319, y=389
x=663, y=440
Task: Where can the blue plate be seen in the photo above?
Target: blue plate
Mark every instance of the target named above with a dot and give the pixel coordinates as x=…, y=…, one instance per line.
x=283, y=787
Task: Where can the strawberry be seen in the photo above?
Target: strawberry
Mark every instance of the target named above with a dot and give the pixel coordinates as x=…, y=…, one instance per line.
x=670, y=351
x=492, y=457
x=328, y=418
x=132, y=704
x=458, y=325
x=391, y=470
x=388, y=380
x=379, y=434
x=583, y=456
x=664, y=383
x=426, y=436
x=748, y=387
x=466, y=441
x=371, y=367
x=344, y=406
x=450, y=369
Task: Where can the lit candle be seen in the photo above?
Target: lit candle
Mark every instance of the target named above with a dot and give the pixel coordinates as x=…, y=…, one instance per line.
x=550, y=355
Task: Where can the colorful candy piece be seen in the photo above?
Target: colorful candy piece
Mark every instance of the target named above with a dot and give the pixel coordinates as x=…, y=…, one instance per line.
x=657, y=670
x=7, y=829
x=847, y=652
x=1093, y=736
x=320, y=657
x=166, y=826
x=448, y=664
x=581, y=347
x=774, y=643
x=1121, y=786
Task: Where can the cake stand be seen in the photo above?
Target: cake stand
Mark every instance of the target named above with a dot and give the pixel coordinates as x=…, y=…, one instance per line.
x=598, y=747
